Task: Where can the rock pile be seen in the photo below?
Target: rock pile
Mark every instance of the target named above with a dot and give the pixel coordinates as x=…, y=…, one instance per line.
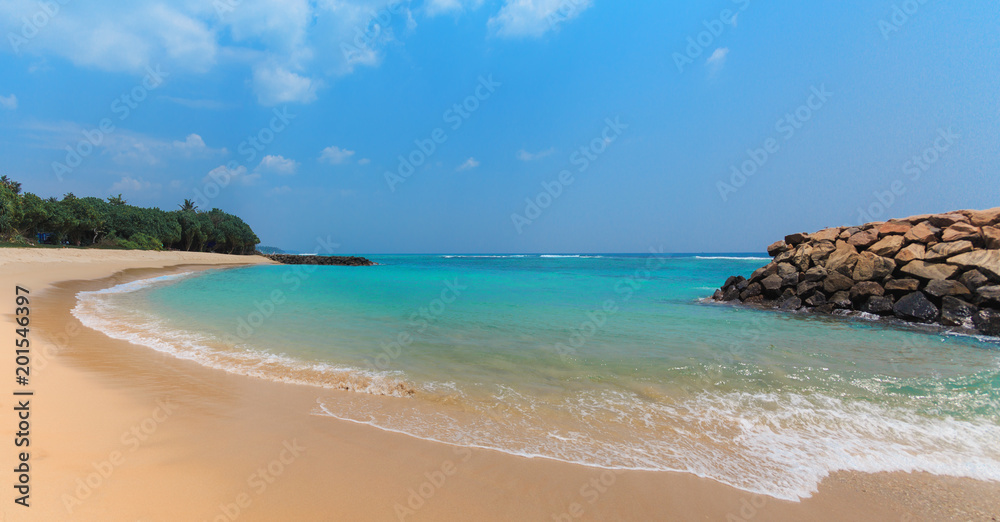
x=935, y=269
x=290, y=259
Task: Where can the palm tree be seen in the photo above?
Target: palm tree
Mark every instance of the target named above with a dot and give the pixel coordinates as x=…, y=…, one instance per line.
x=188, y=206
x=117, y=200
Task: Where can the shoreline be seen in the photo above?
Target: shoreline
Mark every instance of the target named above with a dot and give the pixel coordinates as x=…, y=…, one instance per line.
x=204, y=435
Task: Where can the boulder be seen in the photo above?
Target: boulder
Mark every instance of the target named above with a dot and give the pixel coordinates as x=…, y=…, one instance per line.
x=889, y=246
x=902, y=286
x=947, y=220
x=777, y=248
x=923, y=233
x=973, y=280
x=865, y=289
x=915, y=220
x=924, y=270
x=732, y=281
x=982, y=218
x=821, y=252
x=987, y=322
x=730, y=294
x=942, y=251
x=836, y=282
x=843, y=259
x=772, y=285
x=817, y=299
x=816, y=273
x=841, y=300
x=762, y=272
x=991, y=237
x=938, y=288
x=796, y=239
x=878, y=305
x=988, y=296
x=986, y=261
x=828, y=234
x=961, y=232
x=913, y=252
x=791, y=303
x=916, y=307
x=802, y=258
x=807, y=288
x=827, y=308
x=956, y=312
x=864, y=239
x=717, y=296
x=872, y=267
x=790, y=280
x=784, y=257
x=894, y=228
x=848, y=232
x=753, y=290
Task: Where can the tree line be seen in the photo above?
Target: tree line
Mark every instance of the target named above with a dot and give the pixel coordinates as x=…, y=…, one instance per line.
x=113, y=223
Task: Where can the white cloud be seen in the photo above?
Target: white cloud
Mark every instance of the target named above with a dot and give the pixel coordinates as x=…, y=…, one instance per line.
x=469, y=164
x=524, y=155
x=534, y=18
x=272, y=164
x=364, y=161
x=224, y=176
x=718, y=58
x=8, y=102
x=129, y=184
x=436, y=7
x=275, y=85
x=335, y=155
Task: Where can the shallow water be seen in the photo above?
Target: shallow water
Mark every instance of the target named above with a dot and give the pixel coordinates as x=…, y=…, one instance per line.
x=609, y=361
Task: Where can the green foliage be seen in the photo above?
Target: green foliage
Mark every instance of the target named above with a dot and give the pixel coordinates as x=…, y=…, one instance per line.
x=113, y=222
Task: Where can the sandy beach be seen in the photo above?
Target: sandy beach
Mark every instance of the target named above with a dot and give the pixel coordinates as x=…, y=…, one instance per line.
x=122, y=432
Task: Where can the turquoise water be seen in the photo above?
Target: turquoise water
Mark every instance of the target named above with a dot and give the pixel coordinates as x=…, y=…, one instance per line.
x=609, y=361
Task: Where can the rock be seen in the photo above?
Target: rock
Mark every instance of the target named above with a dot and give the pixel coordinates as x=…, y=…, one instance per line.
x=828, y=234
x=987, y=322
x=848, y=232
x=871, y=267
x=821, y=252
x=878, y=305
x=956, y=312
x=290, y=259
x=902, y=286
x=988, y=296
x=772, y=285
x=841, y=300
x=752, y=290
x=947, y=220
x=889, y=246
x=732, y=281
x=961, y=232
x=807, y=288
x=894, y=228
x=816, y=273
x=836, y=282
x=730, y=294
x=991, y=237
x=785, y=270
x=925, y=270
x=914, y=252
x=796, y=239
x=755, y=300
x=762, y=272
x=790, y=280
x=791, y=303
x=923, y=233
x=717, y=296
x=864, y=239
x=802, y=258
x=843, y=259
x=784, y=257
x=742, y=285
x=817, y=299
x=916, y=307
x=777, y=248
x=865, y=289
x=982, y=218
x=986, y=261
x=938, y=288
x=942, y=251
x=973, y=280
x=914, y=220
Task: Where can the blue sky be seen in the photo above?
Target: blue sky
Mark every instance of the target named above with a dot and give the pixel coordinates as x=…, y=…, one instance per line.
x=716, y=127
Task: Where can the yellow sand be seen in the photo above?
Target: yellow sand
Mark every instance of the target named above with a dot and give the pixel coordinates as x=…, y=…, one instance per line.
x=121, y=432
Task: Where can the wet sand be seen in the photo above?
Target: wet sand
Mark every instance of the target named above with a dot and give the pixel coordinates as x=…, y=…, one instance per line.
x=122, y=432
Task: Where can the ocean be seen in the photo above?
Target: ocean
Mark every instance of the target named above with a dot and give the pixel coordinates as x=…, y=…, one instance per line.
x=610, y=361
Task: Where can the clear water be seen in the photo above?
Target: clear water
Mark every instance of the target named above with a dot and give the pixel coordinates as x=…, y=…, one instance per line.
x=609, y=361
